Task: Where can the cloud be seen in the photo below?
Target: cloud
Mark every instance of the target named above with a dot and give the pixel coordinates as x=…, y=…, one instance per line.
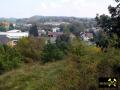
x=79, y=8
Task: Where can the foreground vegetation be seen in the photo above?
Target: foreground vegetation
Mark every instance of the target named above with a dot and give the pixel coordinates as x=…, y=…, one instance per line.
x=79, y=69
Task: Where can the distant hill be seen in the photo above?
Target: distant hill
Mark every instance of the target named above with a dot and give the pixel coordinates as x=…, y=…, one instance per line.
x=42, y=19
x=11, y=20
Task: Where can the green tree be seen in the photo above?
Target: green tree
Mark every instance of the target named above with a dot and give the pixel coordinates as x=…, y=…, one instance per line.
x=51, y=53
x=76, y=28
x=2, y=28
x=63, y=43
x=11, y=27
x=104, y=21
x=33, y=31
x=73, y=27
x=65, y=28
x=110, y=25
x=102, y=40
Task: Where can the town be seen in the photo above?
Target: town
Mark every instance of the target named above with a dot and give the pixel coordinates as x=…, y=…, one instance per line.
x=11, y=32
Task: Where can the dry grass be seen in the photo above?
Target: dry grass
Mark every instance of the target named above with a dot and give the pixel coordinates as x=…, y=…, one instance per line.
x=59, y=75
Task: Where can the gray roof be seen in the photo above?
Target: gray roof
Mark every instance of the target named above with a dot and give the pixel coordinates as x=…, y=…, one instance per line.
x=3, y=39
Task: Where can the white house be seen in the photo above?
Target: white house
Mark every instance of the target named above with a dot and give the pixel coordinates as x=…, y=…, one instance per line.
x=86, y=36
x=41, y=32
x=56, y=29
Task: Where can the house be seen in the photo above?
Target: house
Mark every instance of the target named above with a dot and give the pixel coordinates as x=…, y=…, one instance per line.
x=13, y=36
x=27, y=25
x=5, y=24
x=86, y=36
x=14, y=25
x=41, y=32
x=17, y=35
x=55, y=23
x=56, y=29
x=52, y=36
x=89, y=35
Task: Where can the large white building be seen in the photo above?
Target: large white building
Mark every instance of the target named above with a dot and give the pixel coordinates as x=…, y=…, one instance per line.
x=14, y=35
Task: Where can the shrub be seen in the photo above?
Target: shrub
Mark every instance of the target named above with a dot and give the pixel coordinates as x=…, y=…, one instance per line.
x=77, y=47
x=9, y=58
x=51, y=52
x=109, y=62
x=31, y=48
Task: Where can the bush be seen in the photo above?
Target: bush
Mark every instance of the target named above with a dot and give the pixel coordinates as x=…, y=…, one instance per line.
x=77, y=47
x=9, y=58
x=63, y=43
x=56, y=51
x=51, y=53
x=31, y=48
x=109, y=63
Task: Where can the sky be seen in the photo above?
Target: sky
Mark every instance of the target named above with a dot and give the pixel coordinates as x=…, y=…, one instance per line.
x=76, y=8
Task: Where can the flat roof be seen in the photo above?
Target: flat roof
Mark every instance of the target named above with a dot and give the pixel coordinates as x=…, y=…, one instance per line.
x=15, y=34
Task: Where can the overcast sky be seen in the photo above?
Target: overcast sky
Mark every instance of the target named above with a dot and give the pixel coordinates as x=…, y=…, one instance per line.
x=77, y=8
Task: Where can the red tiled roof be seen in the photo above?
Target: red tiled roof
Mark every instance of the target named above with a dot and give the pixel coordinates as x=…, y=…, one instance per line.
x=55, y=33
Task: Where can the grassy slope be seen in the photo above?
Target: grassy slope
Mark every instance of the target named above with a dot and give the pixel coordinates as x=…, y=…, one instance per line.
x=72, y=73
x=52, y=76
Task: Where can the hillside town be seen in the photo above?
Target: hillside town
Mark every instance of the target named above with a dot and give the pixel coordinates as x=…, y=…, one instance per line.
x=10, y=33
